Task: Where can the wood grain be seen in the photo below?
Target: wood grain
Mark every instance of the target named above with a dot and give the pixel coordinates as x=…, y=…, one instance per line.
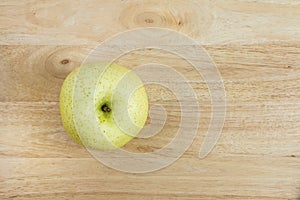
x=256, y=47
x=89, y=22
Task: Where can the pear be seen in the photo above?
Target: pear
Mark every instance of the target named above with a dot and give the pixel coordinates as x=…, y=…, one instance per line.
x=111, y=113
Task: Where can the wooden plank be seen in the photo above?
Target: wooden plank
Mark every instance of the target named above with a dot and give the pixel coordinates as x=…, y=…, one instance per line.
x=269, y=71
x=89, y=22
x=239, y=177
x=34, y=130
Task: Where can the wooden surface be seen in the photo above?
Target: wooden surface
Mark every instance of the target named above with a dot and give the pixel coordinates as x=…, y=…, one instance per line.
x=256, y=46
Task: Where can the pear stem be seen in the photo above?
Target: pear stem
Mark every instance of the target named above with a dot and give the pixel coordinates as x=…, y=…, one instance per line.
x=105, y=108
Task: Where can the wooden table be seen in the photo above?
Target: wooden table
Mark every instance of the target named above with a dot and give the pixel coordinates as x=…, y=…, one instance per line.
x=256, y=47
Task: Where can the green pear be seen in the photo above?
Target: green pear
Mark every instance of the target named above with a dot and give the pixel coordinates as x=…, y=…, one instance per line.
x=103, y=114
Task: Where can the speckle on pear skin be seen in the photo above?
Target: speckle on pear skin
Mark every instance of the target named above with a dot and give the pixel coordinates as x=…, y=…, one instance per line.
x=115, y=136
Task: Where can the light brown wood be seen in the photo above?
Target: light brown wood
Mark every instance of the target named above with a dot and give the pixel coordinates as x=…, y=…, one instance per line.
x=256, y=47
x=88, y=22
